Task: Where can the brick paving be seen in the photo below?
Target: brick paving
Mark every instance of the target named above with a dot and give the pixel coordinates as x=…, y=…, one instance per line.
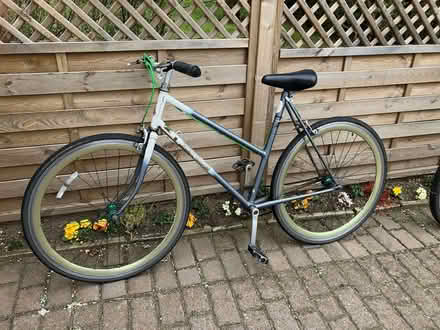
x=384, y=276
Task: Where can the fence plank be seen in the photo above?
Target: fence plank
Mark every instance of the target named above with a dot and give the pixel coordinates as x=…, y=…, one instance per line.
x=53, y=83
x=20, y=122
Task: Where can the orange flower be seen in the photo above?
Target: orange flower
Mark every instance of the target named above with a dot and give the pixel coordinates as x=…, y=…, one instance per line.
x=101, y=225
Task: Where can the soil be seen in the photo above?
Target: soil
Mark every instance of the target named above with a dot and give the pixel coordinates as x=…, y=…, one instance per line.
x=209, y=211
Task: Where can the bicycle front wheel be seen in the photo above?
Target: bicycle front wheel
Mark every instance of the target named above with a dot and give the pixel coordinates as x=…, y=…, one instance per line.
x=353, y=154
x=71, y=204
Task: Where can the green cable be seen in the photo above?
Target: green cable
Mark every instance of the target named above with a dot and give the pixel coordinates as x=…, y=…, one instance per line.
x=148, y=62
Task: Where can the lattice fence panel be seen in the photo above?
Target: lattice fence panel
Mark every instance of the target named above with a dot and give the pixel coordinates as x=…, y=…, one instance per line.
x=348, y=23
x=98, y=20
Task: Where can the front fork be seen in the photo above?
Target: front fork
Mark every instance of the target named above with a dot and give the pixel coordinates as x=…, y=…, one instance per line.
x=147, y=148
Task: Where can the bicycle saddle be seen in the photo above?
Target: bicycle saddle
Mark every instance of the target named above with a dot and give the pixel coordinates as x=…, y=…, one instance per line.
x=293, y=81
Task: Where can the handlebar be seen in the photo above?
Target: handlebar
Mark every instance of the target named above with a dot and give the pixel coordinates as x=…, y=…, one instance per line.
x=182, y=67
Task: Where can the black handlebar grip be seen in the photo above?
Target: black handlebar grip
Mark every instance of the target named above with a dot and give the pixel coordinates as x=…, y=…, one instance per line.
x=189, y=69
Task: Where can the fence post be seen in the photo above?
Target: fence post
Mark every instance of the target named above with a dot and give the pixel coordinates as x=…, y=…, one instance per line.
x=266, y=61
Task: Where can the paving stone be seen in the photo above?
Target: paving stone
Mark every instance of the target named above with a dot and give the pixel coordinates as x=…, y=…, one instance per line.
x=393, y=267
x=332, y=275
x=29, y=299
x=394, y=293
x=420, y=233
x=233, y=265
x=171, y=310
x=429, y=260
x=278, y=261
x=265, y=239
x=314, y=284
x=386, y=314
x=374, y=270
x=336, y=251
x=60, y=291
x=387, y=241
x=406, y=239
x=415, y=317
x=298, y=297
x=226, y=310
x=342, y=323
x=143, y=313
x=246, y=294
x=165, y=276
x=140, y=284
x=28, y=322
x=223, y=242
x=7, y=294
x=256, y=320
x=10, y=272
x=387, y=222
x=371, y=244
x=253, y=266
x=420, y=296
x=34, y=274
x=86, y=317
x=280, y=314
x=86, y=292
x=113, y=290
x=56, y=320
x=354, y=248
x=328, y=307
x=203, y=247
x=183, y=255
x=268, y=288
x=358, y=278
x=354, y=306
x=415, y=267
x=196, y=300
x=205, y=322
x=115, y=315
x=212, y=270
x=241, y=238
x=318, y=255
x=188, y=276
x=312, y=321
x=297, y=257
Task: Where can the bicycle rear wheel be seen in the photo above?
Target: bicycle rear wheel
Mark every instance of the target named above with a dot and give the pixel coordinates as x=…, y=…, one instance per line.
x=354, y=154
x=70, y=206
x=434, y=198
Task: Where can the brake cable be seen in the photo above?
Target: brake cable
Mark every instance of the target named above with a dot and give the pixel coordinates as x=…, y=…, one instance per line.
x=148, y=62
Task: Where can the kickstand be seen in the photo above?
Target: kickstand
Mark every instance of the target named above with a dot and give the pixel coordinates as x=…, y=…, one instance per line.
x=252, y=247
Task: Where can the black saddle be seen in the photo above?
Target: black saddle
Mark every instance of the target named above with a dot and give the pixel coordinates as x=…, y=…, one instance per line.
x=294, y=81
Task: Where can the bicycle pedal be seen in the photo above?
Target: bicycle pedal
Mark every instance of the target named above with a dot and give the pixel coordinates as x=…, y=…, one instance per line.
x=258, y=253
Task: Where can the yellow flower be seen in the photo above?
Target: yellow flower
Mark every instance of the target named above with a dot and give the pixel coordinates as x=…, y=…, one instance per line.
x=85, y=223
x=191, y=220
x=101, y=225
x=303, y=204
x=71, y=230
x=397, y=190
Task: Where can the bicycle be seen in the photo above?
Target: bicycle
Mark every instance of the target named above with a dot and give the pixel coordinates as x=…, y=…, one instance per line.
x=140, y=208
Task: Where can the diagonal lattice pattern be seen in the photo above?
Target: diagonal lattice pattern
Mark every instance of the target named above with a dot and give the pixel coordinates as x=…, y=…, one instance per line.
x=347, y=23
x=98, y=20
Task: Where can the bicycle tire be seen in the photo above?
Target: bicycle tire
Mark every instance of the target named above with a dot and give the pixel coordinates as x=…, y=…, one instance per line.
x=322, y=219
x=32, y=209
x=434, y=199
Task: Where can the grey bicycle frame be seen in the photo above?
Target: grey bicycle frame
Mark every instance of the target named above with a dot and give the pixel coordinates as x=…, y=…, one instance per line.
x=158, y=125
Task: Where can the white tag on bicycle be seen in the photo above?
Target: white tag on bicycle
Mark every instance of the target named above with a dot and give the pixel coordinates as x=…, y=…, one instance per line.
x=66, y=184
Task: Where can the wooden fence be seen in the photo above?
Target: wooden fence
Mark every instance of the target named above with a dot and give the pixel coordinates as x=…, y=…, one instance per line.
x=52, y=93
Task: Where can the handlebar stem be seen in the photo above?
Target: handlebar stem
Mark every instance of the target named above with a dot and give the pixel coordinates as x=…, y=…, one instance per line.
x=165, y=84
